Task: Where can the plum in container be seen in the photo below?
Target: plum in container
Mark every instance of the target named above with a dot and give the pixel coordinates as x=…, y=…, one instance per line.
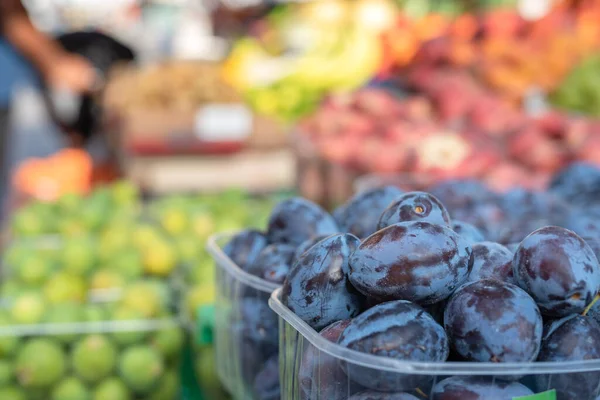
x=246, y=329
x=315, y=367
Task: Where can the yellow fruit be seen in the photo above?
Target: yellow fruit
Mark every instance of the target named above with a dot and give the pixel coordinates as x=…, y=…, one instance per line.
x=105, y=279
x=28, y=308
x=145, y=236
x=159, y=259
x=174, y=222
x=62, y=288
x=142, y=297
x=203, y=225
x=198, y=296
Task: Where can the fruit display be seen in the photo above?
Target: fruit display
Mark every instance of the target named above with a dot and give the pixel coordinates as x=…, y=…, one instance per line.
x=68, y=171
x=110, y=243
x=437, y=136
x=118, y=349
x=174, y=85
x=300, y=52
x=505, y=51
x=580, y=91
x=457, y=290
x=253, y=263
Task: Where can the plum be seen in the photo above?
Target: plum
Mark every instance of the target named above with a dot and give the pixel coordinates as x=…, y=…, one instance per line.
x=415, y=206
x=307, y=244
x=320, y=375
x=578, y=184
x=471, y=233
x=416, y=261
x=244, y=247
x=558, y=269
x=493, y=321
x=273, y=262
x=360, y=215
x=296, y=220
x=252, y=357
x=266, y=383
x=317, y=288
x=594, y=244
x=397, y=329
x=527, y=211
x=258, y=323
x=491, y=260
x=477, y=388
x=585, y=225
x=472, y=202
x=574, y=338
x=370, y=395
x=461, y=194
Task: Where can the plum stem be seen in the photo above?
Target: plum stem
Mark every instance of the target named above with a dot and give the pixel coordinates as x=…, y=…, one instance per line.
x=589, y=307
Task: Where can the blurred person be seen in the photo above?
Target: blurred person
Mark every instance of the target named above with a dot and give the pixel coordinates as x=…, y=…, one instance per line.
x=26, y=55
x=22, y=46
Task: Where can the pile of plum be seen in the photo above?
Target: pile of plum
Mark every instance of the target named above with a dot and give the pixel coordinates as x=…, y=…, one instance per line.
x=457, y=274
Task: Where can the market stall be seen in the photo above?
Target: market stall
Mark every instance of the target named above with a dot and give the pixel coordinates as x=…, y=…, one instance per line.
x=304, y=200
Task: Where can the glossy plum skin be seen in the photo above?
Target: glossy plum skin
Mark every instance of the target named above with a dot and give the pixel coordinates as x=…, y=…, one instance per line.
x=573, y=338
x=558, y=269
x=415, y=261
x=255, y=332
x=296, y=220
x=360, y=215
x=307, y=244
x=472, y=202
x=527, y=211
x=415, y=206
x=579, y=184
x=491, y=260
x=471, y=233
x=273, y=262
x=585, y=225
x=266, y=383
x=477, y=388
x=244, y=247
x=317, y=288
x=493, y=321
x=258, y=323
x=462, y=194
x=320, y=375
x=382, y=396
x=396, y=329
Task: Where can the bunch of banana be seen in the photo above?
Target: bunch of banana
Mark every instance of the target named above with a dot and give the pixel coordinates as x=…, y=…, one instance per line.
x=333, y=46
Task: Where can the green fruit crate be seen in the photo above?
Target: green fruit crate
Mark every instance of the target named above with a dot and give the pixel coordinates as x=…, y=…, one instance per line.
x=201, y=357
x=104, y=359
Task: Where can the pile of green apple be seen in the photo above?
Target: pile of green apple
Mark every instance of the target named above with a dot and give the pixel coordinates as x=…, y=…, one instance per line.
x=54, y=345
x=110, y=257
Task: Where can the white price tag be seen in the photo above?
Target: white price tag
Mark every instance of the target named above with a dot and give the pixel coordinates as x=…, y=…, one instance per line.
x=223, y=122
x=534, y=9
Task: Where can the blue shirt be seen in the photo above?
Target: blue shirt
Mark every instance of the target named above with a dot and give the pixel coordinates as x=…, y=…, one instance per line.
x=14, y=69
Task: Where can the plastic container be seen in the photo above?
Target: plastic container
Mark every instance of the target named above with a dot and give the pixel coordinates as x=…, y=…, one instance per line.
x=135, y=359
x=246, y=330
x=308, y=365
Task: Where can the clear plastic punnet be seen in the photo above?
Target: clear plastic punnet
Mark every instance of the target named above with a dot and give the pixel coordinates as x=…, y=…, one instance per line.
x=246, y=330
x=314, y=368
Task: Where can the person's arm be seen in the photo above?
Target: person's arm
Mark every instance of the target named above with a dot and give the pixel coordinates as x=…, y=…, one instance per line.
x=18, y=30
x=56, y=66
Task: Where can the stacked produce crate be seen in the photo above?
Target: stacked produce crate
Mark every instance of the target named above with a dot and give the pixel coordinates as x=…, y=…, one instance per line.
x=101, y=292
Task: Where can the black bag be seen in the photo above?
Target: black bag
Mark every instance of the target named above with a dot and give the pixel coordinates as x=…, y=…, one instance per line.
x=103, y=52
